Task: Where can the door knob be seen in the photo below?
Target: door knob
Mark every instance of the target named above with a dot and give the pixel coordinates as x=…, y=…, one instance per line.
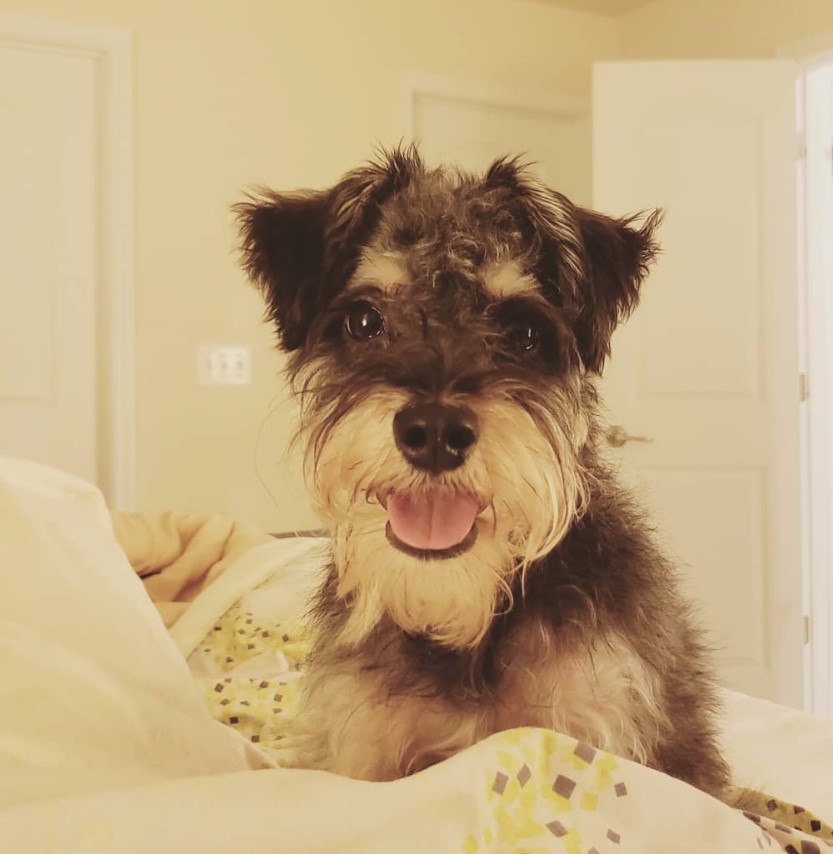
x=617, y=436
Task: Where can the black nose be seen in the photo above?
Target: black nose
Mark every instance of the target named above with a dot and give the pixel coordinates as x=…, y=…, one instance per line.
x=435, y=436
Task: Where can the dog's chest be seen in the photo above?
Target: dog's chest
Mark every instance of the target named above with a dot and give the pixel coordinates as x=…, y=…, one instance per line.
x=600, y=692
x=378, y=720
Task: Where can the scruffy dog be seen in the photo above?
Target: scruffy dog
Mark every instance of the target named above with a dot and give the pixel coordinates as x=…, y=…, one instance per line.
x=488, y=572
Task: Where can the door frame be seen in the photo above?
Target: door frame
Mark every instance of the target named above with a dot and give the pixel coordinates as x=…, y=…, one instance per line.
x=112, y=52
x=814, y=178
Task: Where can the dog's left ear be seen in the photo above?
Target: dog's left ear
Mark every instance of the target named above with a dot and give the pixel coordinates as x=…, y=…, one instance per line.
x=616, y=256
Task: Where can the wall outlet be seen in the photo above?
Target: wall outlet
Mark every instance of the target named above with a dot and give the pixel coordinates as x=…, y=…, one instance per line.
x=224, y=365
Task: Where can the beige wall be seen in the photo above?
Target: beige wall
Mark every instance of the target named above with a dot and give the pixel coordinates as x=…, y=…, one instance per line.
x=290, y=93
x=687, y=29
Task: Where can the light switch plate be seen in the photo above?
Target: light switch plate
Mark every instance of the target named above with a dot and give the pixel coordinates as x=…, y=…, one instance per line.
x=224, y=365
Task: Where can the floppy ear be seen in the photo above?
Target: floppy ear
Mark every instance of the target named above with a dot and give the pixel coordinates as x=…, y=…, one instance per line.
x=301, y=248
x=283, y=249
x=616, y=256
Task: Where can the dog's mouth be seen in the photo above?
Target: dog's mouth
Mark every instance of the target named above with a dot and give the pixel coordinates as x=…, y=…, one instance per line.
x=435, y=524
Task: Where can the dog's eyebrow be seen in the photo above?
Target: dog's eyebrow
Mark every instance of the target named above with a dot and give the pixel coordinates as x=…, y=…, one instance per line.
x=507, y=279
x=357, y=289
x=524, y=302
x=381, y=269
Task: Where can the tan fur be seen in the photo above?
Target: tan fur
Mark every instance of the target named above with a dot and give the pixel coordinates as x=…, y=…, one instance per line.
x=530, y=491
x=352, y=726
x=601, y=694
x=507, y=279
x=383, y=269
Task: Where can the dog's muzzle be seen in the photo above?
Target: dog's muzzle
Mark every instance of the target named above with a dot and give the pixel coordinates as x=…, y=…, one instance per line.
x=433, y=522
x=435, y=437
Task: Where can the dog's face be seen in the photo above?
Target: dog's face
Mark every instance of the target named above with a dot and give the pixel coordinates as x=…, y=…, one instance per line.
x=442, y=328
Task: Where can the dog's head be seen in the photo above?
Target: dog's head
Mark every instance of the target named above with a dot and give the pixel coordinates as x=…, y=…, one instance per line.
x=441, y=329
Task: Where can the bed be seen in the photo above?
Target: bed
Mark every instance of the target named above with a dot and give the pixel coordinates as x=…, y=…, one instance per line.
x=152, y=664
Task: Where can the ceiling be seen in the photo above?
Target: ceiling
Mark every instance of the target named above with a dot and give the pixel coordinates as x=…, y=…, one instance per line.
x=602, y=7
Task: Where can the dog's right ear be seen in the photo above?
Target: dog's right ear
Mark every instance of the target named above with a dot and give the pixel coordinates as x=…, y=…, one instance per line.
x=301, y=248
x=283, y=249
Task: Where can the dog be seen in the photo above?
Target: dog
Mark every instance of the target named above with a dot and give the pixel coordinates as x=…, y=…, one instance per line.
x=444, y=333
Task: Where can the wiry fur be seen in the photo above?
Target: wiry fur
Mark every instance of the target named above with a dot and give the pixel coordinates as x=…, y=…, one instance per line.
x=562, y=612
x=357, y=466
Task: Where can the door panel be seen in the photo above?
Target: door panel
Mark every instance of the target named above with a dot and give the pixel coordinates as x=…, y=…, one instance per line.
x=48, y=258
x=682, y=495
x=696, y=304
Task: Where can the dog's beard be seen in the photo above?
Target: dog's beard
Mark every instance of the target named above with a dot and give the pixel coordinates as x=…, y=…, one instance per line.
x=523, y=472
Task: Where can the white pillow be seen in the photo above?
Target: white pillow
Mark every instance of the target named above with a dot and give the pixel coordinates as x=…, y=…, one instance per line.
x=42, y=490
x=93, y=693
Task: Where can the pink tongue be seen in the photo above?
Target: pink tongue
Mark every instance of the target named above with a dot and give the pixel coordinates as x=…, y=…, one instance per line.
x=434, y=521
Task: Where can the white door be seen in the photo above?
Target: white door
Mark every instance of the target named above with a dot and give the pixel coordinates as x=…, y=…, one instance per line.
x=707, y=368
x=48, y=258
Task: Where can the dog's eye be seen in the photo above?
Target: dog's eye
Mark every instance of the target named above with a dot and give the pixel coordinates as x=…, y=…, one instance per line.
x=522, y=327
x=522, y=336
x=364, y=322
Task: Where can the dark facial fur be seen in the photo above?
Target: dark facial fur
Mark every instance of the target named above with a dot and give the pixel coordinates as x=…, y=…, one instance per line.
x=302, y=249
x=493, y=298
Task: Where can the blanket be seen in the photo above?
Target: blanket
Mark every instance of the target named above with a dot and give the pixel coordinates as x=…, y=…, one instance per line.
x=178, y=554
x=244, y=636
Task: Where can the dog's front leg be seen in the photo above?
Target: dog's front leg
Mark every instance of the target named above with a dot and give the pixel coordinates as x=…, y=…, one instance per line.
x=351, y=724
